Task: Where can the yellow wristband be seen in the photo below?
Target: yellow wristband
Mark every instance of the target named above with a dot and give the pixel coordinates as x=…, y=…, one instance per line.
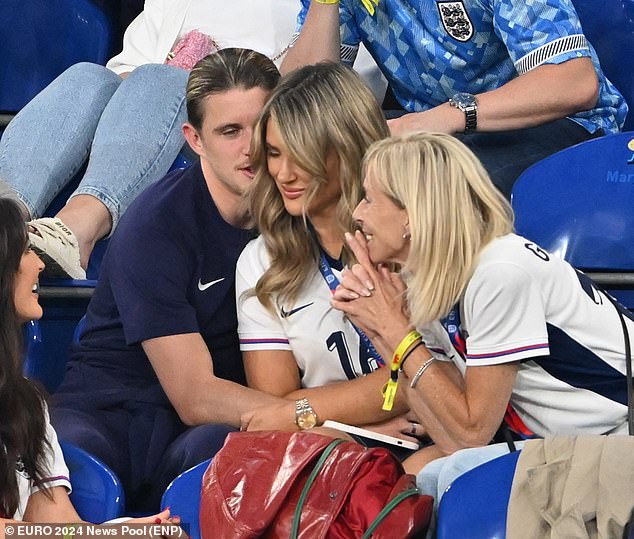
x=327, y=1
x=403, y=346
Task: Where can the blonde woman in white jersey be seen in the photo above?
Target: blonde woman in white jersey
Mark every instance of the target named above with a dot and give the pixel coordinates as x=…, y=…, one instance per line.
x=538, y=345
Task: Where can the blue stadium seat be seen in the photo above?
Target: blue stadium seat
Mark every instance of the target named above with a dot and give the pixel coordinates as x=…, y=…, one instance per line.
x=475, y=504
x=41, y=38
x=609, y=25
x=97, y=492
x=578, y=204
x=49, y=339
x=183, y=497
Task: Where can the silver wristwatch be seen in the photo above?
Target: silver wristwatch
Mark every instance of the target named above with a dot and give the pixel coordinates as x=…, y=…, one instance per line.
x=468, y=104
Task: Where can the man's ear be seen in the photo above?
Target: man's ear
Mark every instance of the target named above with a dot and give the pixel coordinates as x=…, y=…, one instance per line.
x=192, y=137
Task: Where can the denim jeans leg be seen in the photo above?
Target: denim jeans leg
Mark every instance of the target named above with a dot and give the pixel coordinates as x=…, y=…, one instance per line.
x=138, y=137
x=48, y=141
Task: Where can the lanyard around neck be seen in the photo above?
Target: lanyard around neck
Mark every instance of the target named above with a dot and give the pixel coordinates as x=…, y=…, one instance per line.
x=333, y=283
x=451, y=323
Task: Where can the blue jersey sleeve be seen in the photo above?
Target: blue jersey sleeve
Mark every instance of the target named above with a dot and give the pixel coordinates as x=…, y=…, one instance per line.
x=149, y=274
x=538, y=32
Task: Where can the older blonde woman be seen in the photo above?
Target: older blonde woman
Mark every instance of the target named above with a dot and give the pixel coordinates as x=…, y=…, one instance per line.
x=537, y=343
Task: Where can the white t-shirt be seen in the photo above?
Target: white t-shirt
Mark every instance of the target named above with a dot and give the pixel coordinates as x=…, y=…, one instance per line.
x=56, y=472
x=266, y=26
x=524, y=304
x=325, y=344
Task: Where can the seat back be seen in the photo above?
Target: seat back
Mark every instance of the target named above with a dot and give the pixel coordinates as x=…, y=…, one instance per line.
x=578, y=204
x=475, y=504
x=97, y=492
x=183, y=497
x=41, y=38
x=49, y=339
x=609, y=25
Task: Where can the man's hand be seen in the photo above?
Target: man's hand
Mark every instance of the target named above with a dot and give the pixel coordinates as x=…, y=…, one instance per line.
x=274, y=417
x=441, y=119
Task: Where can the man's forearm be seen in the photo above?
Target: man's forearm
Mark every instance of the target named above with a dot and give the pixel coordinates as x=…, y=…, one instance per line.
x=319, y=39
x=539, y=96
x=223, y=401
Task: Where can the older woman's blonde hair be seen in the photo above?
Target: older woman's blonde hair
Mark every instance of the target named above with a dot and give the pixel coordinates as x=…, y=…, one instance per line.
x=454, y=212
x=320, y=110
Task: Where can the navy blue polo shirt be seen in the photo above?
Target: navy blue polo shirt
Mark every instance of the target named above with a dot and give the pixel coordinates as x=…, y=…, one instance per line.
x=169, y=269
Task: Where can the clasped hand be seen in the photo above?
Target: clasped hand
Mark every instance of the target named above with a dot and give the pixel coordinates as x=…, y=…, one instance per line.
x=372, y=297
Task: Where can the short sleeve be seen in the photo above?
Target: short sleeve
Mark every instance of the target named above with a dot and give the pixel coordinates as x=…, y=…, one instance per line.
x=57, y=474
x=504, y=316
x=149, y=271
x=258, y=328
x=538, y=32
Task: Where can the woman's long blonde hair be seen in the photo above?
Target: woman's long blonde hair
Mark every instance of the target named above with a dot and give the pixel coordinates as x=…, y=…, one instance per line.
x=454, y=212
x=320, y=110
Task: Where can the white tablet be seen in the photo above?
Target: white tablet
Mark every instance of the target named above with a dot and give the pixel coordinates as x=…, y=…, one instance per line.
x=365, y=433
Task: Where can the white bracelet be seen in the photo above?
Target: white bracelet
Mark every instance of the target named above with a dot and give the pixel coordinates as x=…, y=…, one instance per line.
x=421, y=370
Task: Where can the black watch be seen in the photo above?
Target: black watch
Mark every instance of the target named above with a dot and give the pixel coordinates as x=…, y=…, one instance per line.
x=468, y=104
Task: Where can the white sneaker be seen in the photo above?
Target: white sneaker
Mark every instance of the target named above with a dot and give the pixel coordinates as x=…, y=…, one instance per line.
x=57, y=246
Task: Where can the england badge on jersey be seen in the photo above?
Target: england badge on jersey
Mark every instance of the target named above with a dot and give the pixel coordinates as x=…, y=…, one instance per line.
x=456, y=20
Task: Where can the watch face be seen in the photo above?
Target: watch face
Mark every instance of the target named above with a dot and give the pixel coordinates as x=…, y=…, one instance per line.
x=464, y=100
x=306, y=420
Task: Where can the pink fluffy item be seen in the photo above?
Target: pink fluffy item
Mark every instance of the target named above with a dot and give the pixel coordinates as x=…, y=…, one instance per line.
x=192, y=47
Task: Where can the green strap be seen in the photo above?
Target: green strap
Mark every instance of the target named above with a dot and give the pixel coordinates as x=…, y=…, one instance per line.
x=309, y=482
x=385, y=511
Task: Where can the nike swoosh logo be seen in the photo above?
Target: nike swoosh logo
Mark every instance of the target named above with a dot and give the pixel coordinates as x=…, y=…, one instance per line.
x=202, y=287
x=285, y=314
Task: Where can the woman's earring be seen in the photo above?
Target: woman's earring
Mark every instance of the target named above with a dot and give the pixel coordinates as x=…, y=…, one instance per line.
x=406, y=234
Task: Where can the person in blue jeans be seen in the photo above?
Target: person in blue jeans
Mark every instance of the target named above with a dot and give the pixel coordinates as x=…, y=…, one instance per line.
x=514, y=80
x=124, y=119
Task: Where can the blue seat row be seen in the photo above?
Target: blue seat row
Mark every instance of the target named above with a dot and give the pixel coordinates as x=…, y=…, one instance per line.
x=97, y=492
x=41, y=38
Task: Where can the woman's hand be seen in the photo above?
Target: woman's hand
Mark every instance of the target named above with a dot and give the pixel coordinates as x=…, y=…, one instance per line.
x=373, y=298
x=405, y=427
x=171, y=525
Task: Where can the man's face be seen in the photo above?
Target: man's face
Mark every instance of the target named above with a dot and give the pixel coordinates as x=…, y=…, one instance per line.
x=225, y=137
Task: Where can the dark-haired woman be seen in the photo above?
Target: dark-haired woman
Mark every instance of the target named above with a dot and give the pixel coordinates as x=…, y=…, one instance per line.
x=34, y=480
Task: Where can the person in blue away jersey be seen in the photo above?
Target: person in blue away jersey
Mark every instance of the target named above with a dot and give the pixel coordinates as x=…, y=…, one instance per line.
x=516, y=80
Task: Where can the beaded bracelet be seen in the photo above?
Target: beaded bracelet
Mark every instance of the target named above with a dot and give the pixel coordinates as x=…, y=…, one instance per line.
x=421, y=370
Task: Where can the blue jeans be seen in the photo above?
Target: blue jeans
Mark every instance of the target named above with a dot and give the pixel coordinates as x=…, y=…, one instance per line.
x=128, y=129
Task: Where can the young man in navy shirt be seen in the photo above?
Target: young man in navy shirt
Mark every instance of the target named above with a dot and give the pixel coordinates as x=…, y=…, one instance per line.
x=156, y=381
